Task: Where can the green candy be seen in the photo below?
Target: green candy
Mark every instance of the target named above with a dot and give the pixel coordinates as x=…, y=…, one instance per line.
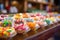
x=9, y=30
x=47, y=21
x=5, y=23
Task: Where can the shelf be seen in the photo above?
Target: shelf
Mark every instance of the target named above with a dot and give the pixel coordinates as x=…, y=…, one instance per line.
x=39, y=2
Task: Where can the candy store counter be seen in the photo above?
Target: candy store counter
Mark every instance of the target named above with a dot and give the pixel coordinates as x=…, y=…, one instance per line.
x=40, y=34
x=29, y=26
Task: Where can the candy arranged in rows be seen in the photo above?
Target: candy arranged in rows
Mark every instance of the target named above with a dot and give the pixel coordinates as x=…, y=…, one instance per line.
x=25, y=22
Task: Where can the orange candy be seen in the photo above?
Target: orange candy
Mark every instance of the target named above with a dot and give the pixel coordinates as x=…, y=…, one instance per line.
x=31, y=25
x=58, y=16
x=35, y=18
x=25, y=15
x=0, y=23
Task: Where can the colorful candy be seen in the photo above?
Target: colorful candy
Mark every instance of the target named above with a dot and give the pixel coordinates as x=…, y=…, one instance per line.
x=6, y=32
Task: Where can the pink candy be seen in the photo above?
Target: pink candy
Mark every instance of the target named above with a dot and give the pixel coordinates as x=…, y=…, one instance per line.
x=38, y=14
x=20, y=27
x=32, y=15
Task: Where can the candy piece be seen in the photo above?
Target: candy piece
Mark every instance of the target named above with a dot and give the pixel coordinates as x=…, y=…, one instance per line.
x=5, y=33
x=5, y=23
x=45, y=24
x=25, y=15
x=58, y=19
x=20, y=28
x=31, y=25
x=27, y=29
x=38, y=14
x=17, y=16
x=9, y=30
x=4, y=29
x=37, y=26
x=17, y=21
x=47, y=21
x=0, y=23
x=32, y=15
x=52, y=19
x=28, y=19
x=0, y=29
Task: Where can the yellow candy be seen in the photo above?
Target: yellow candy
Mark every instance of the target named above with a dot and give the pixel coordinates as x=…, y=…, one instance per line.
x=0, y=29
x=8, y=28
x=52, y=19
x=12, y=28
x=17, y=17
x=5, y=33
x=35, y=18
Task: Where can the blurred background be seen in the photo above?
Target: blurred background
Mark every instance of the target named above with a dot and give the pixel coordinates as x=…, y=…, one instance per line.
x=31, y=5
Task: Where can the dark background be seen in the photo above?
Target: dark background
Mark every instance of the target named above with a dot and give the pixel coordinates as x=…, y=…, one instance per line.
x=57, y=2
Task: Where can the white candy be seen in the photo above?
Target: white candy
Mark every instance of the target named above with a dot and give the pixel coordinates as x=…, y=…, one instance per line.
x=45, y=24
x=37, y=26
x=27, y=29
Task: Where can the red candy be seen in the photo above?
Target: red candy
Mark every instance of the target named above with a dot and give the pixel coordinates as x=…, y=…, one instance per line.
x=20, y=27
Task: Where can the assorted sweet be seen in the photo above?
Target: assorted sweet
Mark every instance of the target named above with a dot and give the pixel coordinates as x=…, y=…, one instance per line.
x=25, y=22
x=33, y=21
x=2, y=16
x=6, y=29
x=7, y=32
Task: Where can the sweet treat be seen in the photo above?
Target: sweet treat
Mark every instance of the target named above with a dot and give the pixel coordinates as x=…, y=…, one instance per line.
x=48, y=21
x=38, y=14
x=58, y=18
x=17, y=21
x=20, y=28
x=32, y=15
x=7, y=23
x=25, y=22
x=7, y=32
x=27, y=29
x=25, y=15
x=17, y=16
x=28, y=19
x=35, y=18
x=32, y=25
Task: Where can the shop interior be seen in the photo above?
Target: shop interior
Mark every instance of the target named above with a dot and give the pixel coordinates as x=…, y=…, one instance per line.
x=29, y=19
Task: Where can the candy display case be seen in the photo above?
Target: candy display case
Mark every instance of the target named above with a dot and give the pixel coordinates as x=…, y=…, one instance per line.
x=27, y=24
x=31, y=20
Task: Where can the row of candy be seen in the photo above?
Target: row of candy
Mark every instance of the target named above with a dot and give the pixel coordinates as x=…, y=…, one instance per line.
x=24, y=22
x=27, y=22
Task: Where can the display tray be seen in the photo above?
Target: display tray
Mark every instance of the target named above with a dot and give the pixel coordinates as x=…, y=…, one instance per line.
x=40, y=34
